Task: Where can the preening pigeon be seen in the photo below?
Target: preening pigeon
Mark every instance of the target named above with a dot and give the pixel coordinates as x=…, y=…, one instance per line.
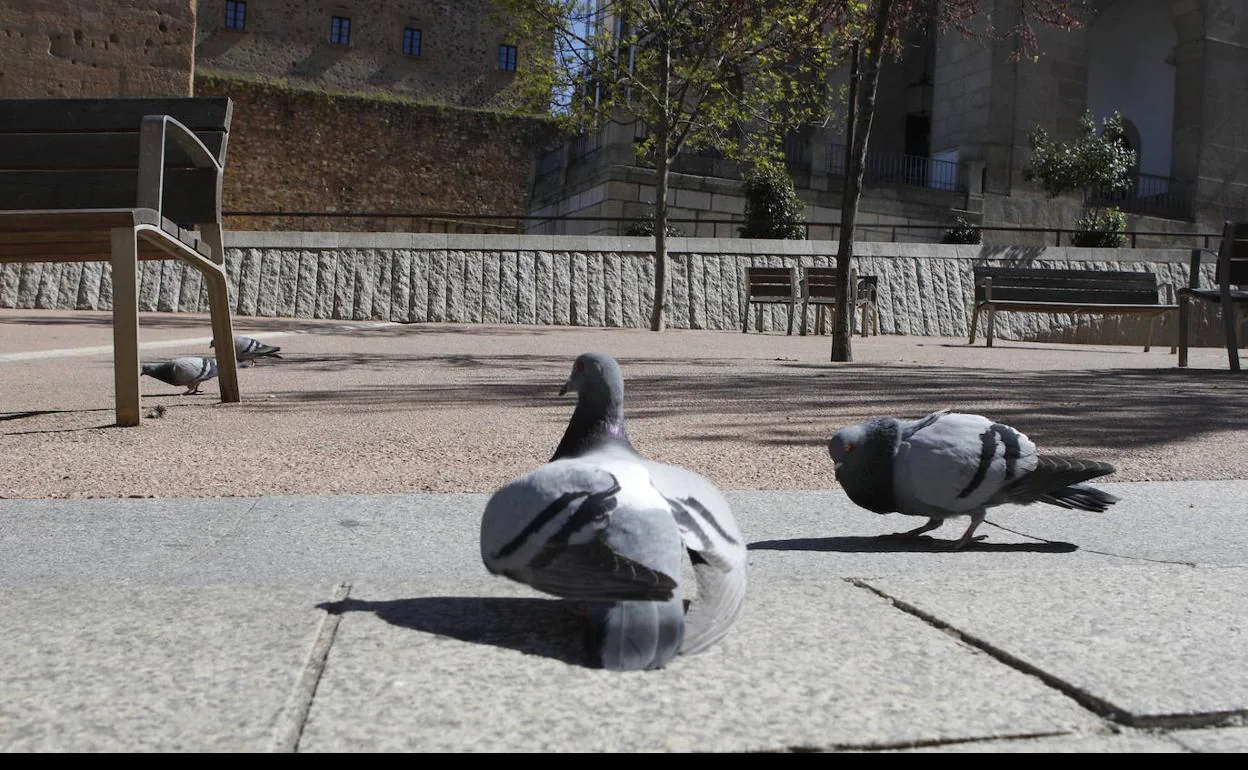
x=949, y=464
x=187, y=372
x=602, y=524
x=248, y=349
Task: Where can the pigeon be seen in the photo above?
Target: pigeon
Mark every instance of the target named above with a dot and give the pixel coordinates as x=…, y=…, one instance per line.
x=186, y=371
x=949, y=464
x=248, y=349
x=601, y=524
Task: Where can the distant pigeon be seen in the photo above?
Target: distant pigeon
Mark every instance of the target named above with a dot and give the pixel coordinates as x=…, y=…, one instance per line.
x=601, y=524
x=949, y=464
x=248, y=349
x=186, y=372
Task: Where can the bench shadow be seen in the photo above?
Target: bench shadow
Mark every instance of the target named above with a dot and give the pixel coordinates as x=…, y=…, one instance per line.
x=546, y=627
x=885, y=544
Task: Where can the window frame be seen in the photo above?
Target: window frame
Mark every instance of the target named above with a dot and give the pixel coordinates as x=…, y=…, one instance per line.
x=419, y=38
x=508, y=54
x=239, y=9
x=340, y=27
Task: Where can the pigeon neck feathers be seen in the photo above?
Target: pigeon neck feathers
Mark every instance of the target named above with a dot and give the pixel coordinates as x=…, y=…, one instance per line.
x=598, y=419
x=867, y=473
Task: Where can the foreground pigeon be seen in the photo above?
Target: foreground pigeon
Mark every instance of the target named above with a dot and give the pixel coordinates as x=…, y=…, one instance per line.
x=187, y=372
x=248, y=349
x=601, y=524
x=949, y=464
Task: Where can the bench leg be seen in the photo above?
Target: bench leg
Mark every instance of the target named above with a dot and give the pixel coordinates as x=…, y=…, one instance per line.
x=805, y=309
x=1148, y=341
x=125, y=253
x=745, y=319
x=792, y=310
x=991, y=325
x=1232, y=345
x=974, y=322
x=1184, y=305
x=222, y=324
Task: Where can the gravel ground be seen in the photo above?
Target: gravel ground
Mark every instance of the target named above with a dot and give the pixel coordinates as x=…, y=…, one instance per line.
x=382, y=408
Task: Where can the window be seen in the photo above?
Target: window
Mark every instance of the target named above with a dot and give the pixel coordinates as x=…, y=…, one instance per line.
x=507, y=58
x=411, y=41
x=235, y=15
x=340, y=31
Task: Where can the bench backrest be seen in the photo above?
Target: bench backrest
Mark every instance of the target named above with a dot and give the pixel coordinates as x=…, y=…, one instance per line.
x=84, y=154
x=1100, y=287
x=820, y=283
x=771, y=282
x=1233, y=254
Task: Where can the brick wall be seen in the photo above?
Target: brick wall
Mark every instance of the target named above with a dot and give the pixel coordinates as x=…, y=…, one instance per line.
x=306, y=150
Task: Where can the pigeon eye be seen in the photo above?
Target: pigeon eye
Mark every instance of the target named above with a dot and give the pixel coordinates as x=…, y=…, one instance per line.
x=849, y=448
x=578, y=367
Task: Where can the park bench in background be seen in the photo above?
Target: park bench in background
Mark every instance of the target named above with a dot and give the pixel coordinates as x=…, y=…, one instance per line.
x=1229, y=296
x=1046, y=290
x=120, y=180
x=769, y=286
x=818, y=286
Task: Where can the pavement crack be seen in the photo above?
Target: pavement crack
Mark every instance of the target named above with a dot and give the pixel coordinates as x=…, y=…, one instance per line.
x=294, y=715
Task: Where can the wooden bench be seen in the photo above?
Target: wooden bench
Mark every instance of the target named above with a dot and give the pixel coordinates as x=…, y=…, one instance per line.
x=819, y=289
x=1045, y=290
x=118, y=181
x=769, y=286
x=1230, y=296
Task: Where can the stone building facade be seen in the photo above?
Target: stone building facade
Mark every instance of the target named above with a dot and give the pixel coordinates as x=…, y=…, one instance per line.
x=950, y=134
x=432, y=50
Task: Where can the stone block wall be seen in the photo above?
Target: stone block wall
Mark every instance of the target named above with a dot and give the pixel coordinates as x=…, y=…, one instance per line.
x=311, y=151
x=924, y=289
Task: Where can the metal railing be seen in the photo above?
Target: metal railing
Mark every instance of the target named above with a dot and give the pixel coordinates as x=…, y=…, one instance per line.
x=450, y=222
x=1150, y=195
x=899, y=168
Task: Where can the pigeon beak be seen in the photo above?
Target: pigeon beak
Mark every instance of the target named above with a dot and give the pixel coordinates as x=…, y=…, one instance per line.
x=563, y=391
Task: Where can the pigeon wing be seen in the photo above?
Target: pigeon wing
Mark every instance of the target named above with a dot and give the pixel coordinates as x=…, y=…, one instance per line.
x=959, y=462
x=583, y=528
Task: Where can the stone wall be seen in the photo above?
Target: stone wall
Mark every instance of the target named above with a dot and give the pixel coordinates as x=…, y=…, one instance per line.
x=60, y=49
x=312, y=151
x=457, y=62
x=924, y=289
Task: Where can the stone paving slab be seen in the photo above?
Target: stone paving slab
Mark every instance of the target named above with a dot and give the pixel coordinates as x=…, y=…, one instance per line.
x=116, y=668
x=415, y=668
x=1156, y=645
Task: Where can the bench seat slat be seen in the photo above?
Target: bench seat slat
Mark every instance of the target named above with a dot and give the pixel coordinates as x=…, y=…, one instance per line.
x=90, y=151
x=1093, y=296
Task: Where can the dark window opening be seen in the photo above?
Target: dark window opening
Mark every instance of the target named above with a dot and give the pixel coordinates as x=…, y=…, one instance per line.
x=411, y=42
x=235, y=14
x=340, y=31
x=507, y=58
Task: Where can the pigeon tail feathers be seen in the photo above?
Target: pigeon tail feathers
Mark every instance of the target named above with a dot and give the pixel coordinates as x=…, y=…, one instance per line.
x=1080, y=497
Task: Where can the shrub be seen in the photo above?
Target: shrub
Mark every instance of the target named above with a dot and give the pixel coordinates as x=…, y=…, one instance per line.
x=644, y=225
x=1100, y=228
x=963, y=231
x=772, y=206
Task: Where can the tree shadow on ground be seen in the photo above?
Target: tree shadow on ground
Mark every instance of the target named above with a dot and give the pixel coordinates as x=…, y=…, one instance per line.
x=546, y=627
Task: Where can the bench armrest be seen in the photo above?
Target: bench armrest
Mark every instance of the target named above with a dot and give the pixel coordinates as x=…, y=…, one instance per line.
x=1193, y=273
x=154, y=135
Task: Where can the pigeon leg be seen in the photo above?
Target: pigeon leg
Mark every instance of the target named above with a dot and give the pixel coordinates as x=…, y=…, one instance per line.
x=968, y=537
x=914, y=533
x=192, y=390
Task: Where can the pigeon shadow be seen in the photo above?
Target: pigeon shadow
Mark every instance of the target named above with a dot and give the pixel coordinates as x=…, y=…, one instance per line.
x=550, y=628
x=886, y=544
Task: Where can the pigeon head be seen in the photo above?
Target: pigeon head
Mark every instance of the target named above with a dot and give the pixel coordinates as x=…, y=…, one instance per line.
x=597, y=376
x=599, y=415
x=863, y=457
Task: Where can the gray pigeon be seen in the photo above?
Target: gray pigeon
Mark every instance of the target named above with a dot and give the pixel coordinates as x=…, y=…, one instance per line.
x=601, y=524
x=187, y=372
x=248, y=349
x=949, y=464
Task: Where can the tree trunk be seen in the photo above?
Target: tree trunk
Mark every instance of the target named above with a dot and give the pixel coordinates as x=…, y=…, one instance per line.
x=661, y=160
x=863, y=110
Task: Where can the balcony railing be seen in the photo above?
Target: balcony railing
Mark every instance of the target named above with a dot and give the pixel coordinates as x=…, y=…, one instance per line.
x=1150, y=195
x=899, y=168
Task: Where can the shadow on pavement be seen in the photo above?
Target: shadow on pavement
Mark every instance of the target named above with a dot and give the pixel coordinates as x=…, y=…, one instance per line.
x=885, y=544
x=546, y=627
